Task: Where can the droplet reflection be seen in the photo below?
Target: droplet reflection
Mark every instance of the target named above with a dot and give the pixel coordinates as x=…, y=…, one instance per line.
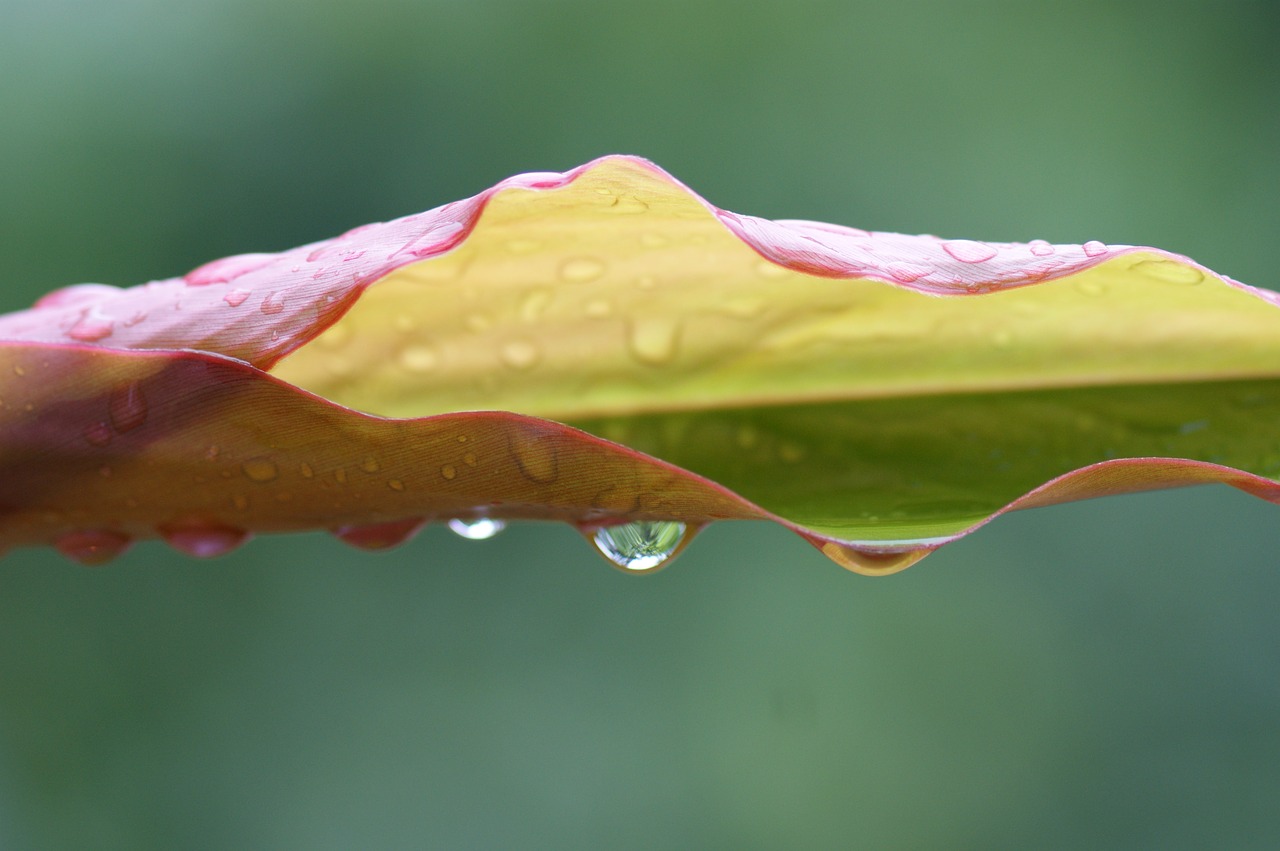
x=640, y=545
x=478, y=529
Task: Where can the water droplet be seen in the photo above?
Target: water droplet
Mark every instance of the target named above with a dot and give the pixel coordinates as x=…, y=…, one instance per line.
x=127, y=407
x=448, y=471
x=523, y=246
x=260, y=469
x=791, y=452
x=907, y=272
x=236, y=297
x=535, y=303
x=395, y=484
x=871, y=562
x=469, y=459
x=92, y=547
x=654, y=340
x=1040, y=248
x=272, y=303
x=581, y=269
x=968, y=250
x=370, y=465
x=306, y=471
x=598, y=308
x=98, y=434
x=419, y=358
x=19, y=371
x=203, y=540
x=628, y=204
x=76, y=294
x=1093, y=248
x=379, y=536
x=1169, y=270
x=90, y=329
x=519, y=354
x=478, y=529
x=226, y=269
x=535, y=455
x=641, y=545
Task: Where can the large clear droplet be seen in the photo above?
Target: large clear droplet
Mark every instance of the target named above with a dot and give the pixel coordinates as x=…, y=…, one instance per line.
x=478, y=529
x=640, y=545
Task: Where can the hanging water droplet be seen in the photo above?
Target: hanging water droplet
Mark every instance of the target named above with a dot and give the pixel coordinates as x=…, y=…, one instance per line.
x=478, y=529
x=203, y=540
x=641, y=545
x=870, y=562
x=379, y=536
x=92, y=547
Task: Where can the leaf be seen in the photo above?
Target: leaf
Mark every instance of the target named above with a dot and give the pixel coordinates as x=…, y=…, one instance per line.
x=603, y=346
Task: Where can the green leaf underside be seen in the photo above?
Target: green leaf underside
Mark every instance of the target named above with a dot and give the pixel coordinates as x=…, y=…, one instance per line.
x=911, y=469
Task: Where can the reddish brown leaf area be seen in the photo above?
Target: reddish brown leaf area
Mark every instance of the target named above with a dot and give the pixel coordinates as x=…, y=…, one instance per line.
x=105, y=446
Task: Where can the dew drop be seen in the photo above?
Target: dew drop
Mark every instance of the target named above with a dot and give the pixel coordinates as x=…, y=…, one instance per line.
x=272, y=304
x=641, y=545
x=419, y=358
x=534, y=304
x=907, y=272
x=449, y=471
x=203, y=540
x=469, y=459
x=871, y=562
x=127, y=407
x=370, y=465
x=19, y=371
x=654, y=340
x=1168, y=270
x=598, y=308
x=379, y=536
x=98, y=434
x=523, y=246
x=395, y=484
x=581, y=269
x=519, y=354
x=1040, y=248
x=90, y=329
x=92, y=547
x=1093, y=248
x=306, y=471
x=968, y=250
x=535, y=456
x=236, y=297
x=260, y=469
x=479, y=529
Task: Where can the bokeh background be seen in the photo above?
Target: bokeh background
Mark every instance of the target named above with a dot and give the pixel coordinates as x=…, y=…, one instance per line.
x=1097, y=675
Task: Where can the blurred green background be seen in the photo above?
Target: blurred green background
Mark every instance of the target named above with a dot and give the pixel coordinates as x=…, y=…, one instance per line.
x=1095, y=675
